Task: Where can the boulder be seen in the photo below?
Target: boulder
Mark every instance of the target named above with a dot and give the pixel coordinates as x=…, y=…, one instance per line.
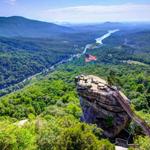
x=100, y=106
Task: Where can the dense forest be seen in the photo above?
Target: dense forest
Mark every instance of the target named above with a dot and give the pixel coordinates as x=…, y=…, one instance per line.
x=22, y=57
x=16, y=52
x=44, y=113
x=51, y=106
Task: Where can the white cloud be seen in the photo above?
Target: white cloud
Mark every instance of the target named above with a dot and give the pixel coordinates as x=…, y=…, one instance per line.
x=10, y=2
x=98, y=13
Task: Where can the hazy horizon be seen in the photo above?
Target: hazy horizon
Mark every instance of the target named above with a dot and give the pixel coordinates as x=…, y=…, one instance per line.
x=80, y=23
x=77, y=12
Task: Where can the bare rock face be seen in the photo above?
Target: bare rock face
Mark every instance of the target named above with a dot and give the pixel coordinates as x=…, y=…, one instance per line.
x=100, y=106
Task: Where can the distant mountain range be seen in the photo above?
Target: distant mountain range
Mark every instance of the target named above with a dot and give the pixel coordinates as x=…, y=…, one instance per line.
x=19, y=26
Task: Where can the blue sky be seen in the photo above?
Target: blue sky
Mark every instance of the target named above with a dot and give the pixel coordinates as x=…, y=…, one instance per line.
x=78, y=10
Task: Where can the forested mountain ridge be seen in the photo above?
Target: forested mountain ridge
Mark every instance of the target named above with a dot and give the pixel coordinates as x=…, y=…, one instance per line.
x=16, y=26
x=15, y=55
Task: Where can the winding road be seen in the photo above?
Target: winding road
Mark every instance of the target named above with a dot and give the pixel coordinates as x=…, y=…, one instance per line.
x=97, y=41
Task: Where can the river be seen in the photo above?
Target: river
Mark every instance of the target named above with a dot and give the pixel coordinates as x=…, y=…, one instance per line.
x=110, y=32
x=98, y=41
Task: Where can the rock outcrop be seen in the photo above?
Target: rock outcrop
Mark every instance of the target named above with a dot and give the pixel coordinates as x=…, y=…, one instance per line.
x=100, y=105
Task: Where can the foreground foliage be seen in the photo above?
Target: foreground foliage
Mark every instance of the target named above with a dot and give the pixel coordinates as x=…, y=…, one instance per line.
x=52, y=108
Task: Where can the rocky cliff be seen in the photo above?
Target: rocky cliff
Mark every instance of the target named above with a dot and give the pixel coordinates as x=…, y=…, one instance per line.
x=100, y=105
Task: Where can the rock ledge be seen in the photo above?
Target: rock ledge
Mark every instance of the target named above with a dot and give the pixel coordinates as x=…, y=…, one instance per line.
x=100, y=105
